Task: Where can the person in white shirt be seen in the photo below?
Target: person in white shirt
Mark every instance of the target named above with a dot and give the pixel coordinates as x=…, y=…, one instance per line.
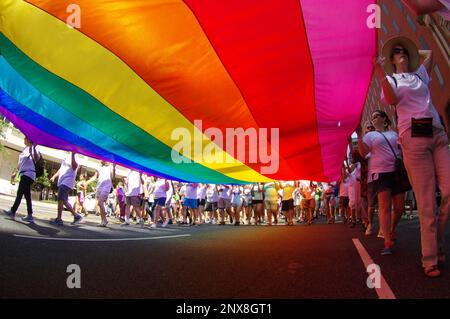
x=423, y=140
x=297, y=202
x=26, y=171
x=247, y=203
x=236, y=203
x=380, y=144
x=212, y=198
x=257, y=192
x=308, y=201
x=201, y=194
x=224, y=203
x=104, y=176
x=354, y=191
x=134, y=196
x=191, y=203
x=66, y=181
x=161, y=188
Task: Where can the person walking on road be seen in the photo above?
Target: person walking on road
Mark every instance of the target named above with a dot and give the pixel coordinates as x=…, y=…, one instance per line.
x=26, y=171
x=66, y=181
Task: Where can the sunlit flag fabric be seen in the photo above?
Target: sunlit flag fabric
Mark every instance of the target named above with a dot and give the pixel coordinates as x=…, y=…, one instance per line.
x=121, y=84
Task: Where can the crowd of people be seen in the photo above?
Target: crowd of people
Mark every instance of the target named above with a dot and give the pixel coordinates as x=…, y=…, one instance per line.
x=369, y=176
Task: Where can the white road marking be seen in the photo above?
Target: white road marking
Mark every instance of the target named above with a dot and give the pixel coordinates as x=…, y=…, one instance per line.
x=100, y=239
x=384, y=292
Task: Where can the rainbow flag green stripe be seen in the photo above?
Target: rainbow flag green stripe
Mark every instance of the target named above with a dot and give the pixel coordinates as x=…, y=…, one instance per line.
x=64, y=110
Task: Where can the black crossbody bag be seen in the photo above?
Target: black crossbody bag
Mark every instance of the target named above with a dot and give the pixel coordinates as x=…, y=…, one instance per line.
x=422, y=127
x=401, y=175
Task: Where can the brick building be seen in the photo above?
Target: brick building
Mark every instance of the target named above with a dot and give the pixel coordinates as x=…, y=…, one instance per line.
x=430, y=32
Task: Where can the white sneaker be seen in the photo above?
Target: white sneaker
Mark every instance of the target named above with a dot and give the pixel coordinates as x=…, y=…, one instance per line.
x=153, y=225
x=380, y=234
x=164, y=225
x=369, y=230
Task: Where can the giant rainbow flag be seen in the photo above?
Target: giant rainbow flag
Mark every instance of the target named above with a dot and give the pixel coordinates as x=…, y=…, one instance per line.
x=133, y=72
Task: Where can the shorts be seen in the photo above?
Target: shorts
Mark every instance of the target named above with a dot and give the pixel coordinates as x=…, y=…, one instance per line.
x=189, y=202
x=102, y=196
x=63, y=193
x=211, y=206
x=201, y=202
x=287, y=205
x=224, y=203
x=308, y=203
x=271, y=205
x=344, y=201
x=161, y=201
x=237, y=204
x=133, y=201
x=247, y=204
x=256, y=201
x=386, y=181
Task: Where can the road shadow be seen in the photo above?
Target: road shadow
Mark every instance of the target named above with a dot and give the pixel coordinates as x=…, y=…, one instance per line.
x=41, y=230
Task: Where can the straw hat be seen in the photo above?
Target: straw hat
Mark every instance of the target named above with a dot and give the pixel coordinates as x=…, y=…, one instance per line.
x=409, y=45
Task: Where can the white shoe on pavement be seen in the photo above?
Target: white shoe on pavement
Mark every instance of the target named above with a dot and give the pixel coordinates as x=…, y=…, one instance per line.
x=164, y=225
x=380, y=234
x=153, y=225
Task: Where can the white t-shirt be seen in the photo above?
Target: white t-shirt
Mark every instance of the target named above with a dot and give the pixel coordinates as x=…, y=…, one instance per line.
x=201, y=192
x=104, y=182
x=224, y=192
x=257, y=194
x=134, y=184
x=414, y=98
x=355, y=176
x=67, y=175
x=169, y=194
x=343, y=189
x=381, y=159
x=237, y=195
x=160, y=189
x=191, y=191
x=212, y=195
x=25, y=163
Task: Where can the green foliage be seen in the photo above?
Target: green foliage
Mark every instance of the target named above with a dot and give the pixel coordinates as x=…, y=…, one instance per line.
x=42, y=182
x=92, y=186
x=3, y=126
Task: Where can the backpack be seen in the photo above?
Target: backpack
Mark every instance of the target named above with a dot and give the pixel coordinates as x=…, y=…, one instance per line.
x=38, y=165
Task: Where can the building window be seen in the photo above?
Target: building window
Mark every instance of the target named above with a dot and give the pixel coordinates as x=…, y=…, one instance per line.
x=397, y=28
x=424, y=43
x=411, y=23
x=439, y=75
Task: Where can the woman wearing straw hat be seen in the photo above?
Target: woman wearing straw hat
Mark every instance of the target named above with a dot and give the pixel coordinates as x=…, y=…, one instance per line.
x=423, y=140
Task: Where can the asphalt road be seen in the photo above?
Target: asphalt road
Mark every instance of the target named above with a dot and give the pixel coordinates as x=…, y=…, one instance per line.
x=208, y=261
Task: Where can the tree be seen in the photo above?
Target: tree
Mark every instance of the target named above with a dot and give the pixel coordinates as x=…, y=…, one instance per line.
x=3, y=126
x=42, y=183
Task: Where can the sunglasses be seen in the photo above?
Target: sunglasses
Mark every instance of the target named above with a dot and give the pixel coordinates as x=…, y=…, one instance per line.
x=400, y=51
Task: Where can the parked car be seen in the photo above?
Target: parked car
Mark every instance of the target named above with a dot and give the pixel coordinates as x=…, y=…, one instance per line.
x=89, y=202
